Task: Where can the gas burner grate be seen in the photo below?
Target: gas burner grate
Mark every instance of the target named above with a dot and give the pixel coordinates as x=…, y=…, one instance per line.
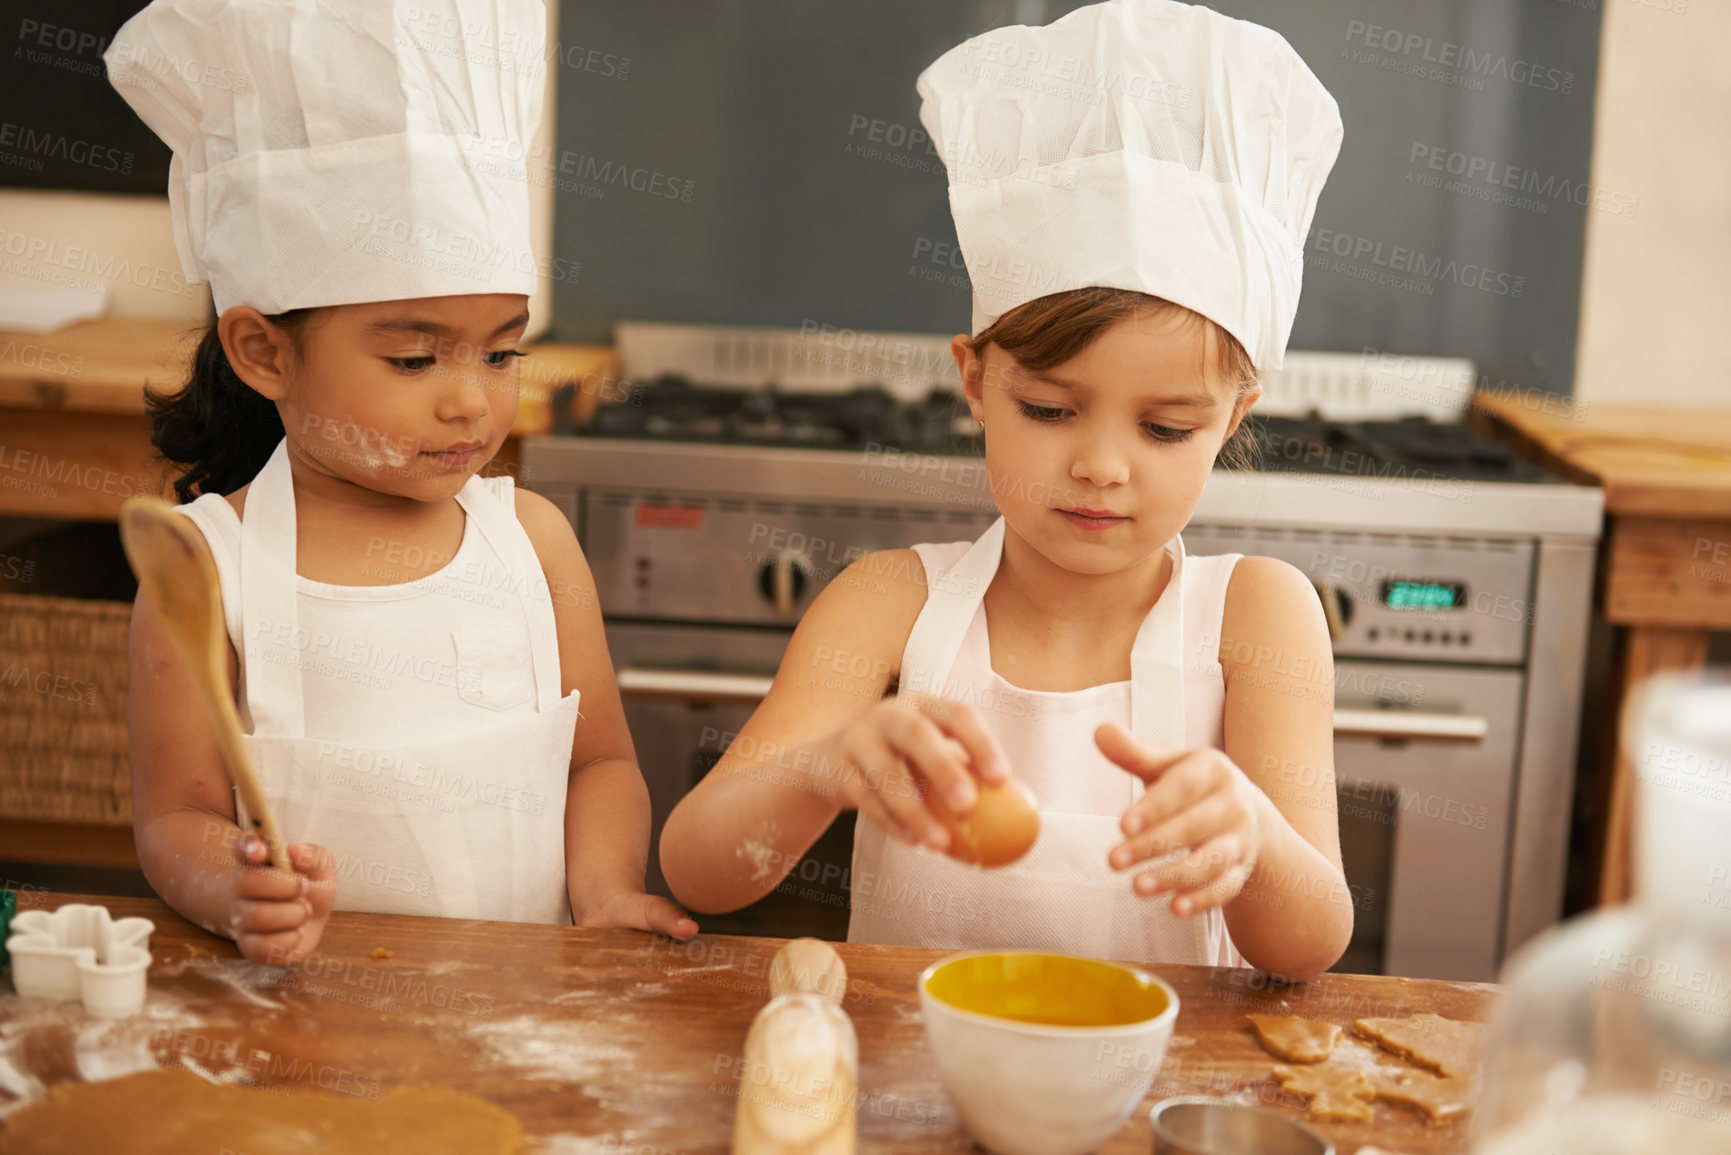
x=1408, y=447
x=670, y=408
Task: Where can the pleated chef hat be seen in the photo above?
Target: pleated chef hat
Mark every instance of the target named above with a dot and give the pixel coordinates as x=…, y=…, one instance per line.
x=1136, y=144
x=332, y=152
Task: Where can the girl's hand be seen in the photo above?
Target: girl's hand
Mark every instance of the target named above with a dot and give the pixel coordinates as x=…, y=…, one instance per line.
x=635, y=910
x=1196, y=799
x=277, y=917
x=901, y=760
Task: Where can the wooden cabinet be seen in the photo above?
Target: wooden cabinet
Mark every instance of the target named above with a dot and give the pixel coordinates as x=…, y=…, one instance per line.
x=1665, y=569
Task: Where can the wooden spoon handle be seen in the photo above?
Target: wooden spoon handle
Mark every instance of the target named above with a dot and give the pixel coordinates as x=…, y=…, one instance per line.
x=177, y=574
x=225, y=720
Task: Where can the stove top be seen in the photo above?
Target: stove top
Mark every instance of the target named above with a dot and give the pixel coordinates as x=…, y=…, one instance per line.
x=869, y=419
x=670, y=408
x=1411, y=447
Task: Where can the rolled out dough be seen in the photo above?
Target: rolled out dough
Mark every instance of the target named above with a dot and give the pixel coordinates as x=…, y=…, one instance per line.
x=1446, y=1046
x=170, y=1112
x=1331, y=1092
x=1294, y=1039
x=1440, y=1097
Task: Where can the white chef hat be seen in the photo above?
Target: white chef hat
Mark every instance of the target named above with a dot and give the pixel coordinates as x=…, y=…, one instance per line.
x=1136, y=144
x=332, y=152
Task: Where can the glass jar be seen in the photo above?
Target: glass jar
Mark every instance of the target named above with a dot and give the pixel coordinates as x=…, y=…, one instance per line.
x=1613, y=1033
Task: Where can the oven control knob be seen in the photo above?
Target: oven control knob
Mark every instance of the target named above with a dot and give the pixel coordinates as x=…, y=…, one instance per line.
x=1336, y=607
x=783, y=580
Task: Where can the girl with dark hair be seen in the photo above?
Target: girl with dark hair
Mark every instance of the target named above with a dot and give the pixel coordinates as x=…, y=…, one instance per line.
x=218, y=428
x=408, y=641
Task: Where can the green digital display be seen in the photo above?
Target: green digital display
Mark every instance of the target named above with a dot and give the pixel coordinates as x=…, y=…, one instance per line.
x=1407, y=594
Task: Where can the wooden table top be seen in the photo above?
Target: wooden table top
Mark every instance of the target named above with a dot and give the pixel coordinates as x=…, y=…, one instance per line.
x=102, y=366
x=621, y=1037
x=1651, y=460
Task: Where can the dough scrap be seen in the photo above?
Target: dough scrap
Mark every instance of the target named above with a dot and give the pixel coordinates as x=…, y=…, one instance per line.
x=1446, y=1046
x=1294, y=1039
x=174, y=1112
x=1330, y=1092
x=1441, y=1098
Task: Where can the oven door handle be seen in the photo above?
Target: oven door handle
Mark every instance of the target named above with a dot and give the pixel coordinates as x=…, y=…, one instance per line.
x=704, y=686
x=692, y=685
x=1411, y=724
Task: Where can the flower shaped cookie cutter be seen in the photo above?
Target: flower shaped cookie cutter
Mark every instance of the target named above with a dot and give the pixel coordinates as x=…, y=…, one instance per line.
x=80, y=952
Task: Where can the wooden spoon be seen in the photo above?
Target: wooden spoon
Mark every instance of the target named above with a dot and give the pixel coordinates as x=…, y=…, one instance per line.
x=175, y=569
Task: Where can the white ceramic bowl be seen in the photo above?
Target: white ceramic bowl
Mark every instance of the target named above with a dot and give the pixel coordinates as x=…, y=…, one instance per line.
x=1045, y=1087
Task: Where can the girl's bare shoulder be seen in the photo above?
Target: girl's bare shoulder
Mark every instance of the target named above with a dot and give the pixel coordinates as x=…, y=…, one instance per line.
x=1272, y=606
x=890, y=583
x=543, y=521
x=869, y=607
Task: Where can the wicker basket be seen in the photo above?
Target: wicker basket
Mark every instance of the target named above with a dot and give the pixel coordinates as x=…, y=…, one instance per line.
x=63, y=710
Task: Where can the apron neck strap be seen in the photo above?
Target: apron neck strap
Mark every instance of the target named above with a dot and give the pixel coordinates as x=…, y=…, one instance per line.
x=274, y=645
x=952, y=599
x=1157, y=663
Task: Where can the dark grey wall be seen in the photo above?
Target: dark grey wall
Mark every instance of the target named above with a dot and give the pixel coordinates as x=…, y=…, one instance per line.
x=62, y=125
x=784, y=131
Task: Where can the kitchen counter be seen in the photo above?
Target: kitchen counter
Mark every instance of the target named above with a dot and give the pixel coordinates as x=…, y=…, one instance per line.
x=1665, y=568
x=624, y=1039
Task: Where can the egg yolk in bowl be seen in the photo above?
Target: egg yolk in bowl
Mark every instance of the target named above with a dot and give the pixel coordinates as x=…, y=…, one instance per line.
x=1047, y=989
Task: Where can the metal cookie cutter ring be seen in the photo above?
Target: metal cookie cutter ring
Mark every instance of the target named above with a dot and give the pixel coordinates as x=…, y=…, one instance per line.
x=79, y=952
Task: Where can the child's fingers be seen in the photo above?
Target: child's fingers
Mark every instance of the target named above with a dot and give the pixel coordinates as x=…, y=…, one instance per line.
x=899, y=796
x=251, y=849
x=664, y=917
x=886, y=790
x=912, y=824
x=1146, y=762
x=872, y=806
x=311, y=859
x=281, y=949
x=1199, y=869
x=268, y=883
x=1191, y=826
x=922, y=745
x=317, y=868
x=1188, y=903
x=1179, y=787
x=985, y=756
x=269, y=917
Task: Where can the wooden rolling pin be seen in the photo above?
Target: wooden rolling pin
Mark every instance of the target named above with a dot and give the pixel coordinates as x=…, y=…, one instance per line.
x=800, y=1082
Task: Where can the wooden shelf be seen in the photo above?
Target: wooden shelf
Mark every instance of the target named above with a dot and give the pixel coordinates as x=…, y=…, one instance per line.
x=77, y=439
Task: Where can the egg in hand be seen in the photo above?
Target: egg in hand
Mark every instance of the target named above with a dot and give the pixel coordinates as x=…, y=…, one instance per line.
x=998, y=830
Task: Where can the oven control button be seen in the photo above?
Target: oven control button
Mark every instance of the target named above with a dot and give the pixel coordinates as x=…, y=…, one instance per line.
x=783, y=580
x=1336, y=608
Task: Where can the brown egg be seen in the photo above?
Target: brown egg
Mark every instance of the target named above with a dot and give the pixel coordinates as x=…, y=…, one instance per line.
x=998, y=830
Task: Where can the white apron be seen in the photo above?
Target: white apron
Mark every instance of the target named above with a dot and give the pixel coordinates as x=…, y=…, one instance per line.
x=1062, y=896
x=467, y=828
